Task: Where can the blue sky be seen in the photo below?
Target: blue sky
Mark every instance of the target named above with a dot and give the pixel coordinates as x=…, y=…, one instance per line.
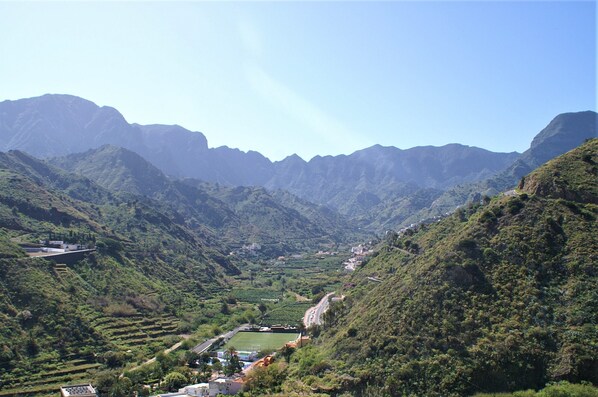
x=313, y=78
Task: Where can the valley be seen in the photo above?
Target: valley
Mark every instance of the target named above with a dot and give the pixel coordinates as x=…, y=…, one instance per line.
x=410, y=270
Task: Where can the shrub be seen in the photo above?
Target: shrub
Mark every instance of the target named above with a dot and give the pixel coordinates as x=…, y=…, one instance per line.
x=174, y=381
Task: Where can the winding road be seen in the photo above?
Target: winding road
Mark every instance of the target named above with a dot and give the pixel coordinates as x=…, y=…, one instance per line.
x=313, y=315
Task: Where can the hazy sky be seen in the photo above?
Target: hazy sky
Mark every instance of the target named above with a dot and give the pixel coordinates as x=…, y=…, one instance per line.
x=313, y=78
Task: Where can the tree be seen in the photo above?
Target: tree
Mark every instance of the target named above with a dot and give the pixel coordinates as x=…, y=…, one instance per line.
x=204, y=372
x=224, y=308
x=174, y=381
x=104, y=381
x=287, y=351
x=262, y=308
x=262, y=380
x=113, y=359
x=166, y=361
x=122, y=387
x=190, y=358
x=31, y=345
x=216, y=365
x=233, y=364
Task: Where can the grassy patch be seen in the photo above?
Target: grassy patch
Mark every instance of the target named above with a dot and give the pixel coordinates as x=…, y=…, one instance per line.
x=259, y=341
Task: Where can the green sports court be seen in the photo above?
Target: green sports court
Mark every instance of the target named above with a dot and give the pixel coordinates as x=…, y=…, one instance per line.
x=260, y=341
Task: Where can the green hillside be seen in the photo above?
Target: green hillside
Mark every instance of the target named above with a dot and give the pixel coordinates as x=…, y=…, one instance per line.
x=280, y=222
x=498, y=297
x=150, y=279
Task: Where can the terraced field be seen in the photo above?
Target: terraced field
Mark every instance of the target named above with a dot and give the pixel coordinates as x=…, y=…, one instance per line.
x=256, y=295
x=286, y=313
x=131, y=332
x=127, y=333
x=50, y=378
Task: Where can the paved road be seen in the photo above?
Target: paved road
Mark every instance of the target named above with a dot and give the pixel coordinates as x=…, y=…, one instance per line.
x=313, y=315
x=204, y=346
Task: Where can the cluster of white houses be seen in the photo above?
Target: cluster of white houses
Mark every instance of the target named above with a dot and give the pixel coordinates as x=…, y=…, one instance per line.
x=52, y=246
x=359, y=254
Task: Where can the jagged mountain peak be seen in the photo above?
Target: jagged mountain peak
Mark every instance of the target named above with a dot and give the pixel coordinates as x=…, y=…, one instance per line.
x=379, y=172
x=293, y=158
x=582, y=123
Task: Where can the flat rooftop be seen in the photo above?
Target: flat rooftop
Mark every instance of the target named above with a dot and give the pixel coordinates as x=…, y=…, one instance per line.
x=78, y=391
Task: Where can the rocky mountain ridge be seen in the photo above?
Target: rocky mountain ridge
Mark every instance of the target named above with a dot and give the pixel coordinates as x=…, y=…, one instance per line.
x=365, y=185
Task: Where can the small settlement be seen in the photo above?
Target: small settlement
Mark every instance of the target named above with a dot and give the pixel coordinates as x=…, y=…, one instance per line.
x=51, y=247
x=219, y=385
x=359, y=254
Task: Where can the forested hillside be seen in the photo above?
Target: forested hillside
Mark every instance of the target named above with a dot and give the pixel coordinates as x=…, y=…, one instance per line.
x=149, y=279
x=500, y=296
x=279, y=222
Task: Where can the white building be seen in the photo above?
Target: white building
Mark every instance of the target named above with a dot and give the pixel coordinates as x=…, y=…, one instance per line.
x=198, y=390
x=225, y=386
x=243, y=355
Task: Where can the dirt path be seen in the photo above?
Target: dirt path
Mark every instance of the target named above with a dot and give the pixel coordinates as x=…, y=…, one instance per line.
x=151, y=360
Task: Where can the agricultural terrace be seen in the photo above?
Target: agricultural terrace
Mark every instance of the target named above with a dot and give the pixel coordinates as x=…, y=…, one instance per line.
x=259, y=341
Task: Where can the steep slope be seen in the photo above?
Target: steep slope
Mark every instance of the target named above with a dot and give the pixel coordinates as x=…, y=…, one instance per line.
x=240, y=216
x=54, y=125
x=365, y=178
x=367, y=185
x=497, y=297
x=279, y=221
x=142, y=284
x=563, y=133
x=115, y=169
x=121, y=170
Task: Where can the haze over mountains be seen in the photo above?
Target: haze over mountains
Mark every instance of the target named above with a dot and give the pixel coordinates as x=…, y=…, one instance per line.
x=241, y=215
x=368, y=185
x=499, y=296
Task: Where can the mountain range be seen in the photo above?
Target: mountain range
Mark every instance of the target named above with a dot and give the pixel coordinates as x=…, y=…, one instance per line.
x=362, y=185
x=377, y=188
x=497, y=296
x=239, y=215
x=500, y=296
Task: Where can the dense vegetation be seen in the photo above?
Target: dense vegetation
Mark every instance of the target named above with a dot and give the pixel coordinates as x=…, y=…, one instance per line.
x=150, y=278
x=498, y=297
x=279, y=222
x=153, y=276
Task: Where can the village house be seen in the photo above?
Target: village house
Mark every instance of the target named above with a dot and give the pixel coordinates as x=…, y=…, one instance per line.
x=226, y=386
